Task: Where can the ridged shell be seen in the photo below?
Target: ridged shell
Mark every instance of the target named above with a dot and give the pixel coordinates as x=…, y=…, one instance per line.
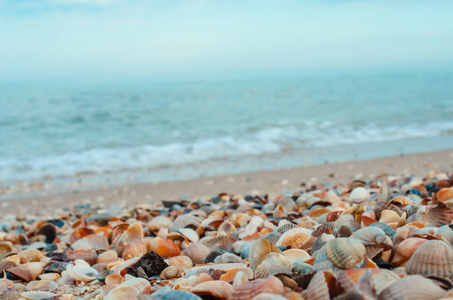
x=9, y=294
x=134, y=249
x=216, y=289
x=122, y=292
x=272, y=237
x=285, y=227
x=158, y=223
x=231, y=274
x=381, y=278
x=294, y=238
x=140, y=284
x=389, y=231
x=412, y=288
x=250, y=289
x=107, y=257
x=323, y=286
x=276, y=263
x=170, y=272
x=327, y=228
x=435, y=215
x=372, y=236
x=184, y=221
x=403, y=252
x=163, y=247
x=190, y=234
x=197, y=252
x=98, y=242
x=295, y=254
x=221, y=242
x=227, y=258
x=302, y=267
x=114, y=279
x=346, y=253
x=259, y=250
x=432, y=258
x=182, y=262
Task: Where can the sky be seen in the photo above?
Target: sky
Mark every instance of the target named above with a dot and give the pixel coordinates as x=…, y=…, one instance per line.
x=76, y=39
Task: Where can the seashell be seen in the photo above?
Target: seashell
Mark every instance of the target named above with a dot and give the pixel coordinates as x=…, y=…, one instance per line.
x=82, y=244
x=42, y=285
x=184, y=221
x=15, y=259
x=433, y=258
x=344, y=252
x=226, y=227
x=230, y=275
x=22, y=272
x=227, y=258
x=196, y=252
x=207, y=268
x=5, y=247
x=296, y=238
x=285, y=227
x=97, y=242
x=215, y=289
x=268, y=296
x=175, y=294
x=134, y=249
x=31, y=255
x=405, y=250
x=359, y=195
x=114, y=279
x=259, y=250
x=390, y=216
x=36, y=268
x=87, y=255
x=412, y=287
x=384, y=193
x=221, y=242
x=163, y=247
x=9, y=294
x=38, y=295
x=295, y=254
x=320, y=242
x=380, y=279
x=250, y=289
x=445, y=234
x=80, y=233
x=435, y=215
x=272, y=237
x=81, y=271
x=402, y=201
x=327, y=228
x=323, y=286
x=302, y=267
x=276, y=263
x=182, y=262
x=158, y=223
x=170, y=272
x=143, y=286
x=49, y=276
x=389, y=231
x=239, y=279
x=106, y=257
x=49, y=231
x=190, y=234
x=122, y=292
x=444, y=194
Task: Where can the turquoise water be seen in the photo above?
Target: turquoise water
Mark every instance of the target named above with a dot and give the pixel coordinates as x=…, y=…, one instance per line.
x=164, y=130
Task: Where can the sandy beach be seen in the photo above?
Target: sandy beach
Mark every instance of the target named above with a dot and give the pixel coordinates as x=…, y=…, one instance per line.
x=262, y=182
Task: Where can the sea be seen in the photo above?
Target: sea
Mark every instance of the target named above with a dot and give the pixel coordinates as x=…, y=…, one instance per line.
x=168, y=129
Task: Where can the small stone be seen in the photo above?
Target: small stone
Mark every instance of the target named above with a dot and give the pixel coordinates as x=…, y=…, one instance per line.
x=151, y=263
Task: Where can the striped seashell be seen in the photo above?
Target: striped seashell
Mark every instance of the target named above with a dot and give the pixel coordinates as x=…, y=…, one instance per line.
x=320, y=242
x=324, y=263
x=346, y=253
x=302, y=267
x=8, y=293
x=197, y=253
x=389, y=231
x=435, y=215
x=158, y=223
x=327, y=228
x=38, y=295
x=276, y=263
x=134, y=249
x=183, y=262
x=250, y=289
x=433, y=258
x=445, y=234
x=410, y=288
x=295, y=254
x=231, y=274
x=323, y=286
x=259, y=250
x=164, y=247
x=297, y=240
x=139, y=284
x=184, y=221
x=384, y=193
x=170, y=272
x=122, y=292
x=213, y=289
x=106, y=257
x=285, y=227
x=221, y=242
x=272, y=237
x=98, y=242
x=380, y=278
x=227, y=258
x=190, y=234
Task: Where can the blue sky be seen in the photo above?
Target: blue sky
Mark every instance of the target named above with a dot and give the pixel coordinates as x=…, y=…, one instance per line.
x=128, y=39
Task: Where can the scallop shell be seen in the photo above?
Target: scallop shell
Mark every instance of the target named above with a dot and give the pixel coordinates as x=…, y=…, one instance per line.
x=380, y=278
x=122, y=292
x=435, y=215
x=190, y=234
x=114, y=279
x=9, y=294
x=215, y=289
x=295, y=254
x=163, y=247
x=346, y=253
x=158, y=223
x=296, y=238
x=221, y=242
x=227, y=258
x=323, y=286
x=433, y=258
x=302, y=267
x=276, y=263
x=285, y=227
x=38, y=295
x=182, y=262
x=106, y=257
x=170, y=272
x=445, y=194
x=140, y=284
x=259, y=250
x=230, y=275
x=250, y=289
x=81, y=271
x=410, y=288
x=272, y=237
x=197, y=252
x=134, y=249
x=403, y=252
x=184, y=221
x=98, y=242
x=327, y=228
x=389, y=231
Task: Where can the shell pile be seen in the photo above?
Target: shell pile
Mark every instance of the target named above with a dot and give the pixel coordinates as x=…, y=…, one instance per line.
x=389, y=238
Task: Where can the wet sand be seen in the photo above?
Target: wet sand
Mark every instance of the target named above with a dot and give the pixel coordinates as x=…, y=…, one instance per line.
x=272, y=182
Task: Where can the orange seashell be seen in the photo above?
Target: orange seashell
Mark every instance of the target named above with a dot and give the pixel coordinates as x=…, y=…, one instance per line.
x=323, y=286
x=79, y=233
x=259, y=250
x=105, y=230
x=366, y=221
x=107, y=257
x=164, y=248
x=229, y=276
x=114, y=279
x=183, y=262
x=134, y=249
x=23, y=273
x=87, y=255
x=216, y=289
x=445, y=194
x=252, y=236
x=250, y=289
x=140, y=284
x=417, y=224
x=296, y=240
x=316, y=213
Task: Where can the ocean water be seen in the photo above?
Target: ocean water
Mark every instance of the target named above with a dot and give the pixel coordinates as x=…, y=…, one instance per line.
x=165, y=130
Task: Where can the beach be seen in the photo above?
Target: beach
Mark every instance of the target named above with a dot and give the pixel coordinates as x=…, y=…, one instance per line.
x=262, y=182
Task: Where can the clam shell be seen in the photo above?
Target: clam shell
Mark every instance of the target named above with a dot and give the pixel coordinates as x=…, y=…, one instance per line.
x=114, y=279
x=227, y=258
x=158, y=223
x=272, y=237
x=86, y=255
x=140, y=284
x=184, y=221
x=276, y=263
x=259, y=250
x=435, y=215
x=9, y=294
x=380, y=278
x=36, y=268
x=390, y=216
x=433, y=258
x=250, y=289
x=371, y=236
x=38, y=295
x=197, y=252
x=302, y=267
x=285, y=227
x=216, y=289
x=207, y=268
x=182, y=262
x=222, y=242
x=405, y=249
x=410, y=288
x=164, y=247
x=230, y=275
x=107, y=257
x=296, y=238
x=323, y=286
x=190, y=234
x=134, y=249
x=22, y=272
x=359, y=195
x=122, y=292
x=389, y=231
x=81, y=271
x=346, y=253
x=43, y=285
x=98, y=242
x=295, y=254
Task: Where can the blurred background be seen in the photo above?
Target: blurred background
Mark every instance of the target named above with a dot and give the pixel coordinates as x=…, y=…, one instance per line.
x=98, y=92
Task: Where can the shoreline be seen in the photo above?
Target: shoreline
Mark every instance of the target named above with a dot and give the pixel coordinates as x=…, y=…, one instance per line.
x=267, y=181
